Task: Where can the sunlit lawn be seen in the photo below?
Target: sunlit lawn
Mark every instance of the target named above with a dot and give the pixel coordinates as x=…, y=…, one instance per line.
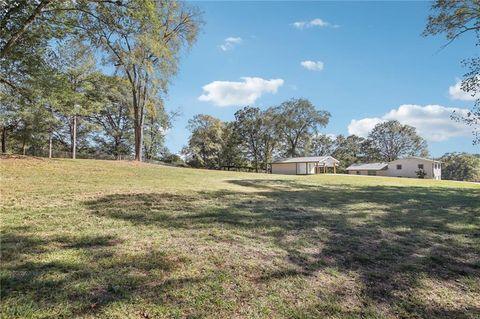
x=123, y=240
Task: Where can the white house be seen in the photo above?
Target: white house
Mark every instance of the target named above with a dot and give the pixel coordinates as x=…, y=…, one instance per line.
x=405, y=167
x=304, y=165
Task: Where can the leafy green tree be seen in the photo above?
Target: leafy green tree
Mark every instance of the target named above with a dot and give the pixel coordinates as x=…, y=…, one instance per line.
x=157, y=122
x=10, y=116
x=249, y=126
x=206, y=141
x=114, y=118
x=455, y=18
x=348, y=150
x=461, y=167
x=368, y=152
x=143, y=38
x=270, y=137
x=322, y=145
x=393, y=140
x=20, y=23
x=298, y=120
x=77, y=70
x=27, y=27
x=26, y=112
x=233, y=148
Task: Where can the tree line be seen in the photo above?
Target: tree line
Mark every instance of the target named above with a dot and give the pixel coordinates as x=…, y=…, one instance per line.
x=255, y=137
x=90, y=75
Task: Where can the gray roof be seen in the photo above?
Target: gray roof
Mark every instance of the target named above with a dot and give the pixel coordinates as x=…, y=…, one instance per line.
x=309, y=159
x=367, y=167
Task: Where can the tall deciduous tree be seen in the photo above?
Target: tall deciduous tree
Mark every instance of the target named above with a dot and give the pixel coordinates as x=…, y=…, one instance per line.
x=322, y=145
x=233, y=150
x=205, y=143
x=143, y=38
x=114, y=118
x=249, y=126
x=298, y=120
x=454, y=18
x=156, y=125
x=76, y=67
x=348, y=150
x=26, y=27
x=270, y=136
x=393, y=140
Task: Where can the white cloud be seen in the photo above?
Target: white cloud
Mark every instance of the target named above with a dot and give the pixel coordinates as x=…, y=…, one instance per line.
x=432, y=122
x=456, y=93
x=312, y=65
x=228, y=93
x=364, y=126
x=230, y=42
x=319, y=23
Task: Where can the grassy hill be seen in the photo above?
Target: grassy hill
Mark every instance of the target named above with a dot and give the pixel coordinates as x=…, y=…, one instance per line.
x=122, y=240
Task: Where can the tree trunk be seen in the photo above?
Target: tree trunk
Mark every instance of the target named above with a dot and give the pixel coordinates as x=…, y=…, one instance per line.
x=50, y=144
x=116, y=145
x=24, y=147
x=138, y=141
x=4, y=140
x=138, y=123
x=74, y=142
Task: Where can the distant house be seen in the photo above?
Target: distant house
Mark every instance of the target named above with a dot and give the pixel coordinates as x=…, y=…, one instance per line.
x=304, y=165
x=405, y=167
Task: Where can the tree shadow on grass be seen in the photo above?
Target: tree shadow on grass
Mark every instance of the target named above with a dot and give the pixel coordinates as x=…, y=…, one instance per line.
x=65, y=276
x=395, y=238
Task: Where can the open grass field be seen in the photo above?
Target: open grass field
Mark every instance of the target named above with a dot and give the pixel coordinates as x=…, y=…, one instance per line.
x=122, y=240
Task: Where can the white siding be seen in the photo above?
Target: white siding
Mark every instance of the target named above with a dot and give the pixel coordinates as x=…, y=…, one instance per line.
x=293, y=168
x=409, y=166
x=311, y=168
x=302, y=168
x=286, y=168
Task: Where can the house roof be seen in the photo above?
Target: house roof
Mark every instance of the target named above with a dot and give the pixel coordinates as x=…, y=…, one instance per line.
x=309, y=159
x=367, y=167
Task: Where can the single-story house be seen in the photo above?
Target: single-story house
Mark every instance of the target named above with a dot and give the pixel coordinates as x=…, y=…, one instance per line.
x=304, y=165
x=405, y=167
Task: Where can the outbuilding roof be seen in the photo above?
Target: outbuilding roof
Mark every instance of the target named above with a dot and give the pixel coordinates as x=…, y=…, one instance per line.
x=367, y=167
x=308, y=159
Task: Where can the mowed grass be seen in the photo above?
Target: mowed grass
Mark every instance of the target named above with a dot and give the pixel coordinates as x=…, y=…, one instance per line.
x=122, y=240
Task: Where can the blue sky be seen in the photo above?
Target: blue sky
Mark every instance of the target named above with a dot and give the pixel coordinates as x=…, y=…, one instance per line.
x=362, y=61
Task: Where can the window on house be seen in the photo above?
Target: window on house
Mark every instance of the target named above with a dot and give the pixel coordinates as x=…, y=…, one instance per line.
x=420, y=166
x=399, y=166
x=358, y=172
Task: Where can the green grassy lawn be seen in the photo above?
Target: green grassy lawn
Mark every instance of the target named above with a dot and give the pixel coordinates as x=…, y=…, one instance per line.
x=122, y=240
